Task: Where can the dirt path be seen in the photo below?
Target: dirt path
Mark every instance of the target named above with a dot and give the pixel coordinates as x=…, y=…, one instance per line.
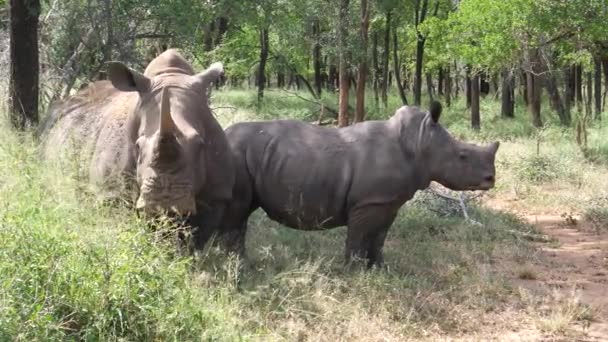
x=573, y=271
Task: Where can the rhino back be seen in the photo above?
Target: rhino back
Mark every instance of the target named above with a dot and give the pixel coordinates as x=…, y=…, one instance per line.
x=90, y=126
x=305, y=175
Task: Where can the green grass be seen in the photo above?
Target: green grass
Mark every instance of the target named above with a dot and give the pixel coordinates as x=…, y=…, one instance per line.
x=74, y=269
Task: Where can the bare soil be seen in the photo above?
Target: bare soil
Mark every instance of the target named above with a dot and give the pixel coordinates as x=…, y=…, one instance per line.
x=572, y=267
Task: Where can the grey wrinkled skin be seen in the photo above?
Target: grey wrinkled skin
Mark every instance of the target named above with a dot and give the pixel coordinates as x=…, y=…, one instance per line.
x=313, y=178
x=149, y=135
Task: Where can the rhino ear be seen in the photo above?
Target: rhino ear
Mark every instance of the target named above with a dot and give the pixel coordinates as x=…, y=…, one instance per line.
x=125, y=79
x=435, y=110
x=213, y=72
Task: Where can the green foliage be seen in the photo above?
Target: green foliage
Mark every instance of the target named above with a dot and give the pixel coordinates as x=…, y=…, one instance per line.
x=538, y=168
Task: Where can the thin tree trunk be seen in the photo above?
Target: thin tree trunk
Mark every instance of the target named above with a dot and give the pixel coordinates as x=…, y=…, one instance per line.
x=474, y=91
x=331, y=78
x=507, y=109
x=448, y=87
x=421, y=11
x=397, y=68
x=376, y=68
x=578, y=86
x=109, y=26
x=362, y=72
x=280, y=79
x=317, y=57
x=429, y=85
x=589, y=102
x=385, y=58
x=456, y=81
x=484, y=85
x=555, y=98
x=598, y=88
x=534, y=89
x=24, y=70
x=418, y=71
x=343, y=115
x=262, y=65
x=440, y=82
x=605, y=69
x=524, y=87
x=568, y=88
x=467, y=86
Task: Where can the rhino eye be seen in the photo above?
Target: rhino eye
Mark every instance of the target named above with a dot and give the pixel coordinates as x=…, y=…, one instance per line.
x=462, y=156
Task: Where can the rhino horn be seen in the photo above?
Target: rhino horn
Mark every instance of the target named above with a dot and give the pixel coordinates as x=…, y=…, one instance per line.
x=167, y=126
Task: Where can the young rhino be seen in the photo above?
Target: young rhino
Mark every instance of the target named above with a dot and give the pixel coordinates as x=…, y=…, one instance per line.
x=312, y=178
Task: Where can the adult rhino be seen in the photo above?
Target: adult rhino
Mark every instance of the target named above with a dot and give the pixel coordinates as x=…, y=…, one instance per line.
x=313, y=178
x=152, y=134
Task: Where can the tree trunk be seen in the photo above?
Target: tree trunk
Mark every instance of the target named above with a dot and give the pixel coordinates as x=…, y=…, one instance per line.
x=331, y=78
x=467, y=86
x=397, y=69
x=484, y=85
x=24, y=70
x=222, y=28
x=418, y=70
x=598, y=88
x=280, y=79
x=421, y=10
x=448, y=87
x=317, y=57
x=343, y=115
x=262, y=65
x=589, y=101
x=429, y=85
x=456, y=81
x=534, y=89
x=507, y=109
x=385, y=58
x=524, y=87
x=474, y=91
x=376, y=67
x=605, y=69
x=440, y=82
x=578, y=86
x=556, y=100
x=109, y=41
x=568, y=88
x=362, y=72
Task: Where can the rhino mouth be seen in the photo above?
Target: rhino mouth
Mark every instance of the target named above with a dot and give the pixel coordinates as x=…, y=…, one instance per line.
x=484, y=185
x=181, y=207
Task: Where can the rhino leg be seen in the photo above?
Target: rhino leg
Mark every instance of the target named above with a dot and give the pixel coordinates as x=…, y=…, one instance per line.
x=367, y=229
x=233, y=228
x=206, y=222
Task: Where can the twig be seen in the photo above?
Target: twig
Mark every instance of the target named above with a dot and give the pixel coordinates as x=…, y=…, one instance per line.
x=224, y=107
x=48, y=14
x=464, y=211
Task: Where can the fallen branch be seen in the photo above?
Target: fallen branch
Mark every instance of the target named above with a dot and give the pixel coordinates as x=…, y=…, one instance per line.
x=530, y=236
x=322, y=106
x=461, y=202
